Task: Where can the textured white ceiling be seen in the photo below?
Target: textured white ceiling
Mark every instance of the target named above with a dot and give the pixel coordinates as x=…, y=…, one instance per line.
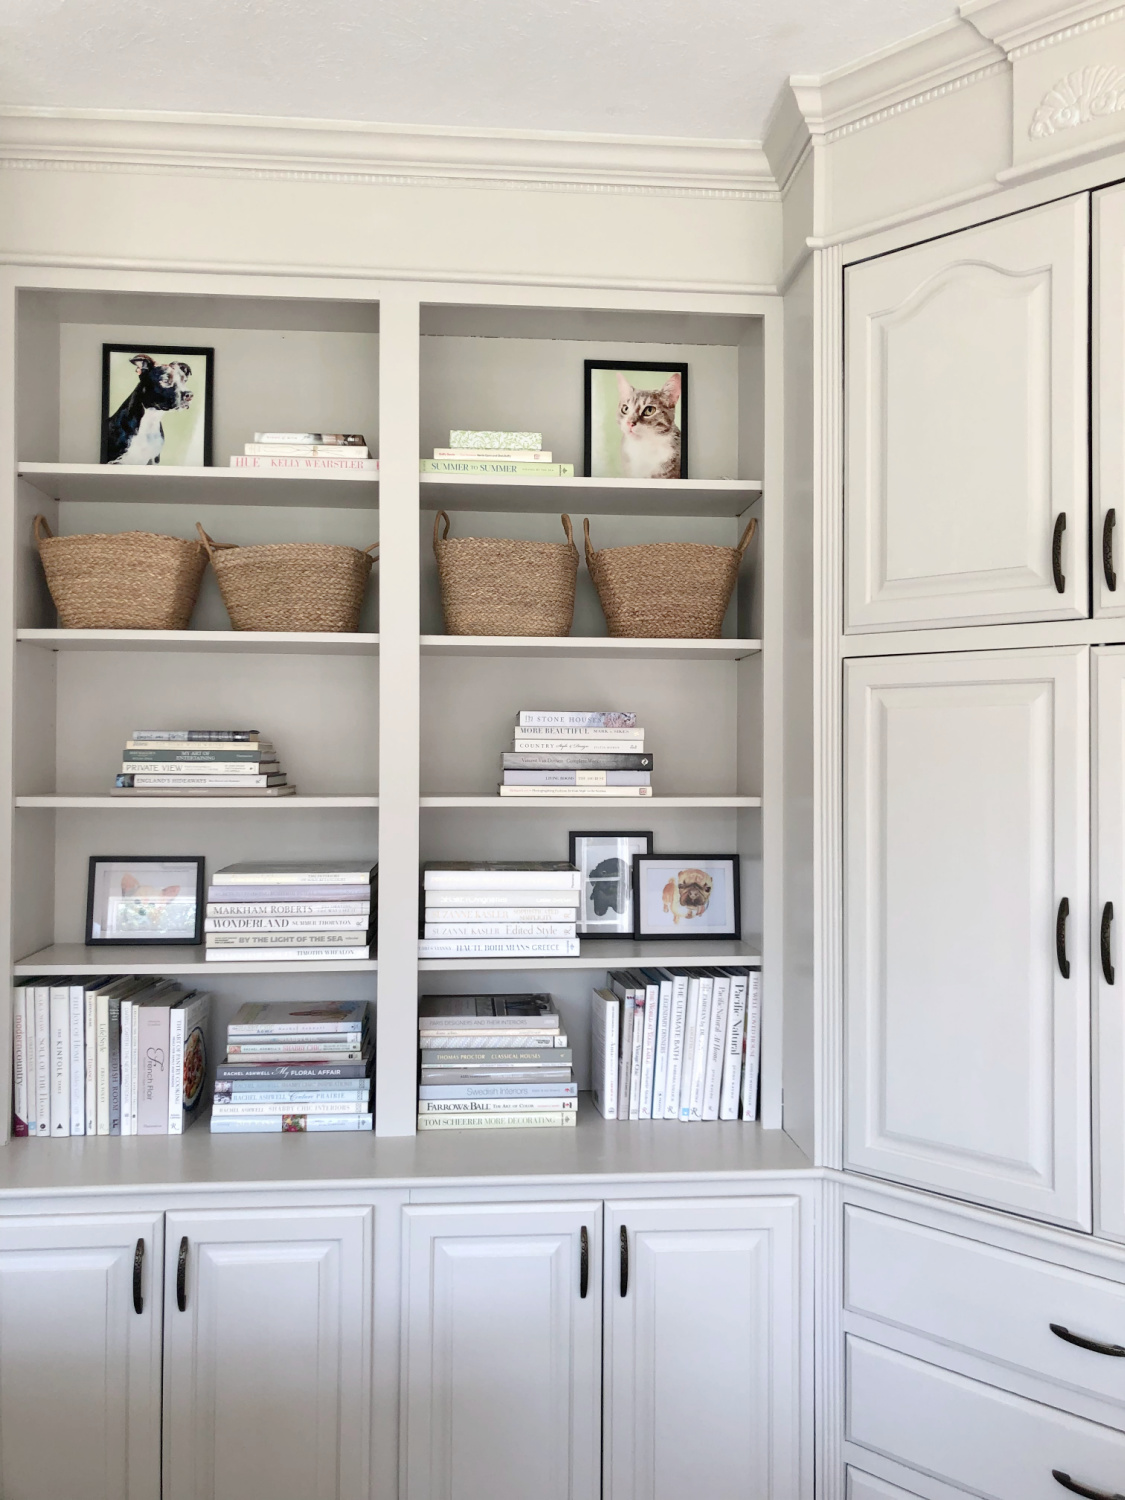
x=699, y=68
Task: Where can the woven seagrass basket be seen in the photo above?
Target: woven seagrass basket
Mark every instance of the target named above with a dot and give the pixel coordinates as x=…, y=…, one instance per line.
x=134, y=580
x=490, y=586
x=291, y=585
x=677, y=589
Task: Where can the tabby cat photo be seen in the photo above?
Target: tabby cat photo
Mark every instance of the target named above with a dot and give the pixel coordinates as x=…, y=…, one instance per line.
x=636, y=421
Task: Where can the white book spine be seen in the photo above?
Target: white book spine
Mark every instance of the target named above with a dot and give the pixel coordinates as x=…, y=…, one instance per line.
x=637, y=994
x=76, y=1019
x=22, y=1123
x=604, y=1013
x=135, y=1090
x=60, y=1059
x=648, y=1051
x=42, y=1042
x=103, y=1064
x=127, y=1121
x=660, y=1066
x=176, y=1071
x=625, y=1056
x=233, y=1109
x=676, y=1033
x=753, y=1047
x=691, y=1018
x=699, y=1044
x=91, y=1090
x=713, y=1074
x=732, y=1049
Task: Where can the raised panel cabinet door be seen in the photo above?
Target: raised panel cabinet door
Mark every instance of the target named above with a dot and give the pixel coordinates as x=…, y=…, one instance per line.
x=267, y=1355
x=501, y=1352
x=703, y=1350
x=1107, y=953
x=80, y=1321
x=967, y=1005
x=966, y=440
x=1107, y=416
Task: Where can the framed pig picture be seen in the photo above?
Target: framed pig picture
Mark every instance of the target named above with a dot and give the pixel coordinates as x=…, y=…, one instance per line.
x=686, y=896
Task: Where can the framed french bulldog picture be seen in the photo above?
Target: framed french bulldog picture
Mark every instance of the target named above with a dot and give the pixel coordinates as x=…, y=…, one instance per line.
x=156, y=405
x=605, y=898
x=686, y=896
x=144, y=899
x=636, y=420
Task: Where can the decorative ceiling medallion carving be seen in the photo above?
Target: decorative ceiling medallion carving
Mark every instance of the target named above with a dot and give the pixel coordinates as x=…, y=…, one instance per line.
x=1087, y=94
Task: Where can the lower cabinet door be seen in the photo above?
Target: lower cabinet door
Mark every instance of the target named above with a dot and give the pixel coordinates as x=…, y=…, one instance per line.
x=80, y=1357
x=702, y=1359
x=267, y=1355
x=501, y=1376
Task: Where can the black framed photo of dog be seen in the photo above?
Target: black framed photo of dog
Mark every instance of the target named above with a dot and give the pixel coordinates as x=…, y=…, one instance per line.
x=686, y=896
x=156, y=405
x=636, y=420
x=605, y=860
x=144, y=899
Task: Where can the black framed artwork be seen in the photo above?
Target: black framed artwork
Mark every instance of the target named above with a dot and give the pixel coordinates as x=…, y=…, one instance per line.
x=686, y=896
x=142, y=899
x=605, y=861
x=636, y=419
x=157, y=405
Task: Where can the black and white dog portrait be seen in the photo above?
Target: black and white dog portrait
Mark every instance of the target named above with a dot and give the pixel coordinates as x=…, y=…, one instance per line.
x=156, y=405
x=605, y=861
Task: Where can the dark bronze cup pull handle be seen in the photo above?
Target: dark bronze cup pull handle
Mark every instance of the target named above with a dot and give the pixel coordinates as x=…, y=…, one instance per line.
x=181, y=1276
x=1084, y=1489
x=138, y=1267
x=624, y=1261
x=1056, y=552
x=1060, y=938
x=1115, y=1351
x=1107, y=924
x=1107, y=549
x=584, y=1262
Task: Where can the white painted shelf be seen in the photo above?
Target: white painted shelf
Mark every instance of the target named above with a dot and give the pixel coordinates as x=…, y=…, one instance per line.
x=614, y=953
x=608, y=1149
x=570, y=804
x=638, y=497
x=155, y=484
x=595, y=647
x=280, y=643
x=187, y=804
x=76, y=958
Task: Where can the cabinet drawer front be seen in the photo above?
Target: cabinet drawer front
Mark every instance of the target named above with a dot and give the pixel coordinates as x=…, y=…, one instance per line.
x=988, y=1301
x=863, y=1486
x=965, y=391
x=998, y=1446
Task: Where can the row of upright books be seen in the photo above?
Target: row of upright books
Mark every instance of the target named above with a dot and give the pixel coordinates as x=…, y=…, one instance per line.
x=293, y=1068
x=491, y=454
x=200, y=763
x=494, y=1062
x=291, y=913
x=592, y=753
x=516, y=909
x=109, y=1056
x=333, y=455
x=677, y=1044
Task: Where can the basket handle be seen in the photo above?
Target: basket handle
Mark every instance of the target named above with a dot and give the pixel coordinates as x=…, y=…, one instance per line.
x=569, y=529
x=438, y=519
x=751, y=528
x=211, y=547
x=374, y=547
x=41, y=529
x=586, y=534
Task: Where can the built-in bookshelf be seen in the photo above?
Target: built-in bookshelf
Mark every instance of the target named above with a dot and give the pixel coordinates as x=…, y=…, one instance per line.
x=392, y=735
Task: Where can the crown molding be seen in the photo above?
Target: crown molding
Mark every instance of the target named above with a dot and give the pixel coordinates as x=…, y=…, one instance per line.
x=1025, y=26
x=948, y=57
x=787, y=138
x=353, y=152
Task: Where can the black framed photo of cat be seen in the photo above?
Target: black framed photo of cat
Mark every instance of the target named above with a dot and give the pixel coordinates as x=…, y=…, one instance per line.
x=636, y=419
x=156, y=405
x=605, y=861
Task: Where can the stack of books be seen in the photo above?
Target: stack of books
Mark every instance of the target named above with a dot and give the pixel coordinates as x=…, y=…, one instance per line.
x=332, y=455
x=200, y=763
x=290, y=913
x=305, y=1066
x=487, y=455
x=493, y=1062
x=110, y=1056
x=677, y=1044
x=523, y=909
x=576, y=753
